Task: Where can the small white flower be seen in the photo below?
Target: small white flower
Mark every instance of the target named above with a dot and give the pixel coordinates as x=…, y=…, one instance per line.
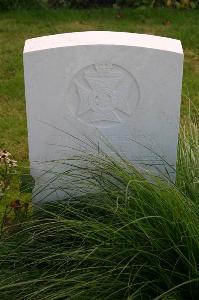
x=4, y=153
x=12, y=163
x=4, y=156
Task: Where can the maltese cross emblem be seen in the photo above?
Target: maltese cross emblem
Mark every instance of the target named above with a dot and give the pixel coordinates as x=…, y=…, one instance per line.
x=104, y=94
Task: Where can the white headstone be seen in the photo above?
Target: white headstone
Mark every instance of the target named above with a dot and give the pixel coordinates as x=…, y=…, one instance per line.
x=123, y=87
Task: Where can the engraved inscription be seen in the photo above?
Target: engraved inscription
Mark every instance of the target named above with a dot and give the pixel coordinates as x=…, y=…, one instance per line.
x=106, y=94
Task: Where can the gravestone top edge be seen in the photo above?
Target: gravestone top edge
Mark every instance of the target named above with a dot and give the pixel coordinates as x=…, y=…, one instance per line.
x=103, y=38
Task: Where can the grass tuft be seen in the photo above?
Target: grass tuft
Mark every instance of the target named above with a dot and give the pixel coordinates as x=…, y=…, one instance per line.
x=127, y=237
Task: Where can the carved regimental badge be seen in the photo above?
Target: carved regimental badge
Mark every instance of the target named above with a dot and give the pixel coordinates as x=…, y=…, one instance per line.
x=107, y=94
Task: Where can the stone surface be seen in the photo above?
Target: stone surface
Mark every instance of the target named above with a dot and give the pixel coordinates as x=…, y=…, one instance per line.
x=120, y=87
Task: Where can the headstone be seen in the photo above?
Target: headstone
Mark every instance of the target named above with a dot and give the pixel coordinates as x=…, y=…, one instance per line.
x=121, y=87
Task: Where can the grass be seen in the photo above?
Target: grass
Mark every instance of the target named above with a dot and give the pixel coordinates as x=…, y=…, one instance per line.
x=187, y=162
x=132, y=238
